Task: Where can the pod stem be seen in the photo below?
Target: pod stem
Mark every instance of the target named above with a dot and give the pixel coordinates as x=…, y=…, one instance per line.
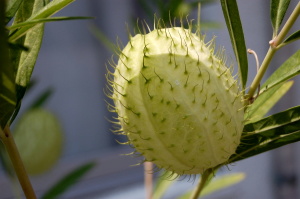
x=148, y=169
x=206, y=176
x=11, y=148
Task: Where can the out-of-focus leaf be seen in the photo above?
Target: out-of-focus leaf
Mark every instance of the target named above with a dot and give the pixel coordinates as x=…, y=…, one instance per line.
x=289, y=69
x=217, y=184
x=235, y=29
x=41, y=99
x=103, y=38
x=45, y=12
x=11, y=9
x=269, y=133
x=7, y=77
x=162, y=185
x=277, y=12
x=38, y=21
x=266, y=101
x=293, y=37
x=68, y=181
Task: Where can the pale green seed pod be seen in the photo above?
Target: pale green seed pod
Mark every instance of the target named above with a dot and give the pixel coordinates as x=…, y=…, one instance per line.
x=177, y=102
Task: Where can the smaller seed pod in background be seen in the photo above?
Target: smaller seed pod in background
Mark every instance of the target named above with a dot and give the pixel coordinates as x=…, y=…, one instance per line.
x=177, y=102
x=39, y=138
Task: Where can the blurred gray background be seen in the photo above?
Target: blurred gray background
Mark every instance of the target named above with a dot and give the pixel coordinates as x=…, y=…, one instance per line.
x=72, y=62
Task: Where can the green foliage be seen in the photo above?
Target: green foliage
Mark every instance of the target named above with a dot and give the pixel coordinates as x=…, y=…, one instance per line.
x=293, y=37
x=277, y=13
x=217, y=184
x=266, y=101
x=289, y=69
x=269, y=133
x=235, y=29
x=67, y=181
x=7, y=82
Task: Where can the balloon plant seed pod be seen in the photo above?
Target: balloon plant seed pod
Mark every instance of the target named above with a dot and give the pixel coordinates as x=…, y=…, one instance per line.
x=177, y=102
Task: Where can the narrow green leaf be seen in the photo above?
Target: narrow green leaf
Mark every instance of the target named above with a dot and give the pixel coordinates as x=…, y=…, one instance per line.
x=162, y=185
x=41, y=99
x=38, y=21
x=235, y=29
x=7, y=78
x=289, y=69
x=217, y=184
x=277, y=12
x=293, y=37
x=222, y=182
x=269, y=133
x=11, y=9
x=103, y=38
x=68, y=181
x=266, y=101
x=47, y=11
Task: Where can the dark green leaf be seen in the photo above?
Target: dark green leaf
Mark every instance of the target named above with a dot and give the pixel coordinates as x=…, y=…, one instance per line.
x=68, y=181
x=47, y=11
x=289, y=69
x=38, y=21
x=11, y=9
x=235, y=29
x=7, y=78
x=293, y=37
x=269, y=133
x=278, y=10
x=266, y=101
x=41, y=99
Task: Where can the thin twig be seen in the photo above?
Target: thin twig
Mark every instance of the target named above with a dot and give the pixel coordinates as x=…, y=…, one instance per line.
x=202, y=183
x=11, y=148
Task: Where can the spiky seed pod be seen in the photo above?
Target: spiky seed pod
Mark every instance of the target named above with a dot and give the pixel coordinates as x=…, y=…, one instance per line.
x=177, y=102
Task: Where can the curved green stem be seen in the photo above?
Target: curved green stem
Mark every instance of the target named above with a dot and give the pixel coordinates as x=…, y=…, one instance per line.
x=11, y=148
x=273, y=48
x=202, y=182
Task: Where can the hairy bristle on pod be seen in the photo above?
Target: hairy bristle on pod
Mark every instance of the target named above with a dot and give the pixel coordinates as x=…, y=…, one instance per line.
x=177, y=102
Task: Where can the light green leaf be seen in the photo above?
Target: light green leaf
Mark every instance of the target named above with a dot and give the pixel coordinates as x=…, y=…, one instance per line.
x=235, y=29
x=266, y=101
x=217, y=184
x=162, y=185
x=293, y=37
x=7, y=82
x=25, y=60
x=277, y=12
x=47, y=11
x=269, y=133
x=38, y=21
x=68, y=181
x=103, y=38
x=289, y=69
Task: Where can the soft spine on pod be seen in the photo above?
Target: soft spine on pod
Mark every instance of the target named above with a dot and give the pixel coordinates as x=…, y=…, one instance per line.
x=176, y=101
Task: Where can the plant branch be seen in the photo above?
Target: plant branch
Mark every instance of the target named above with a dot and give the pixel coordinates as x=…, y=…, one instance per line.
x=273, y=48
x=287, y=26
x=202, y=182
x=11, y=148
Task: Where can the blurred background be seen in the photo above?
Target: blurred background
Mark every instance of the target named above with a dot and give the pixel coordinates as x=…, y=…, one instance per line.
x=72, y=62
